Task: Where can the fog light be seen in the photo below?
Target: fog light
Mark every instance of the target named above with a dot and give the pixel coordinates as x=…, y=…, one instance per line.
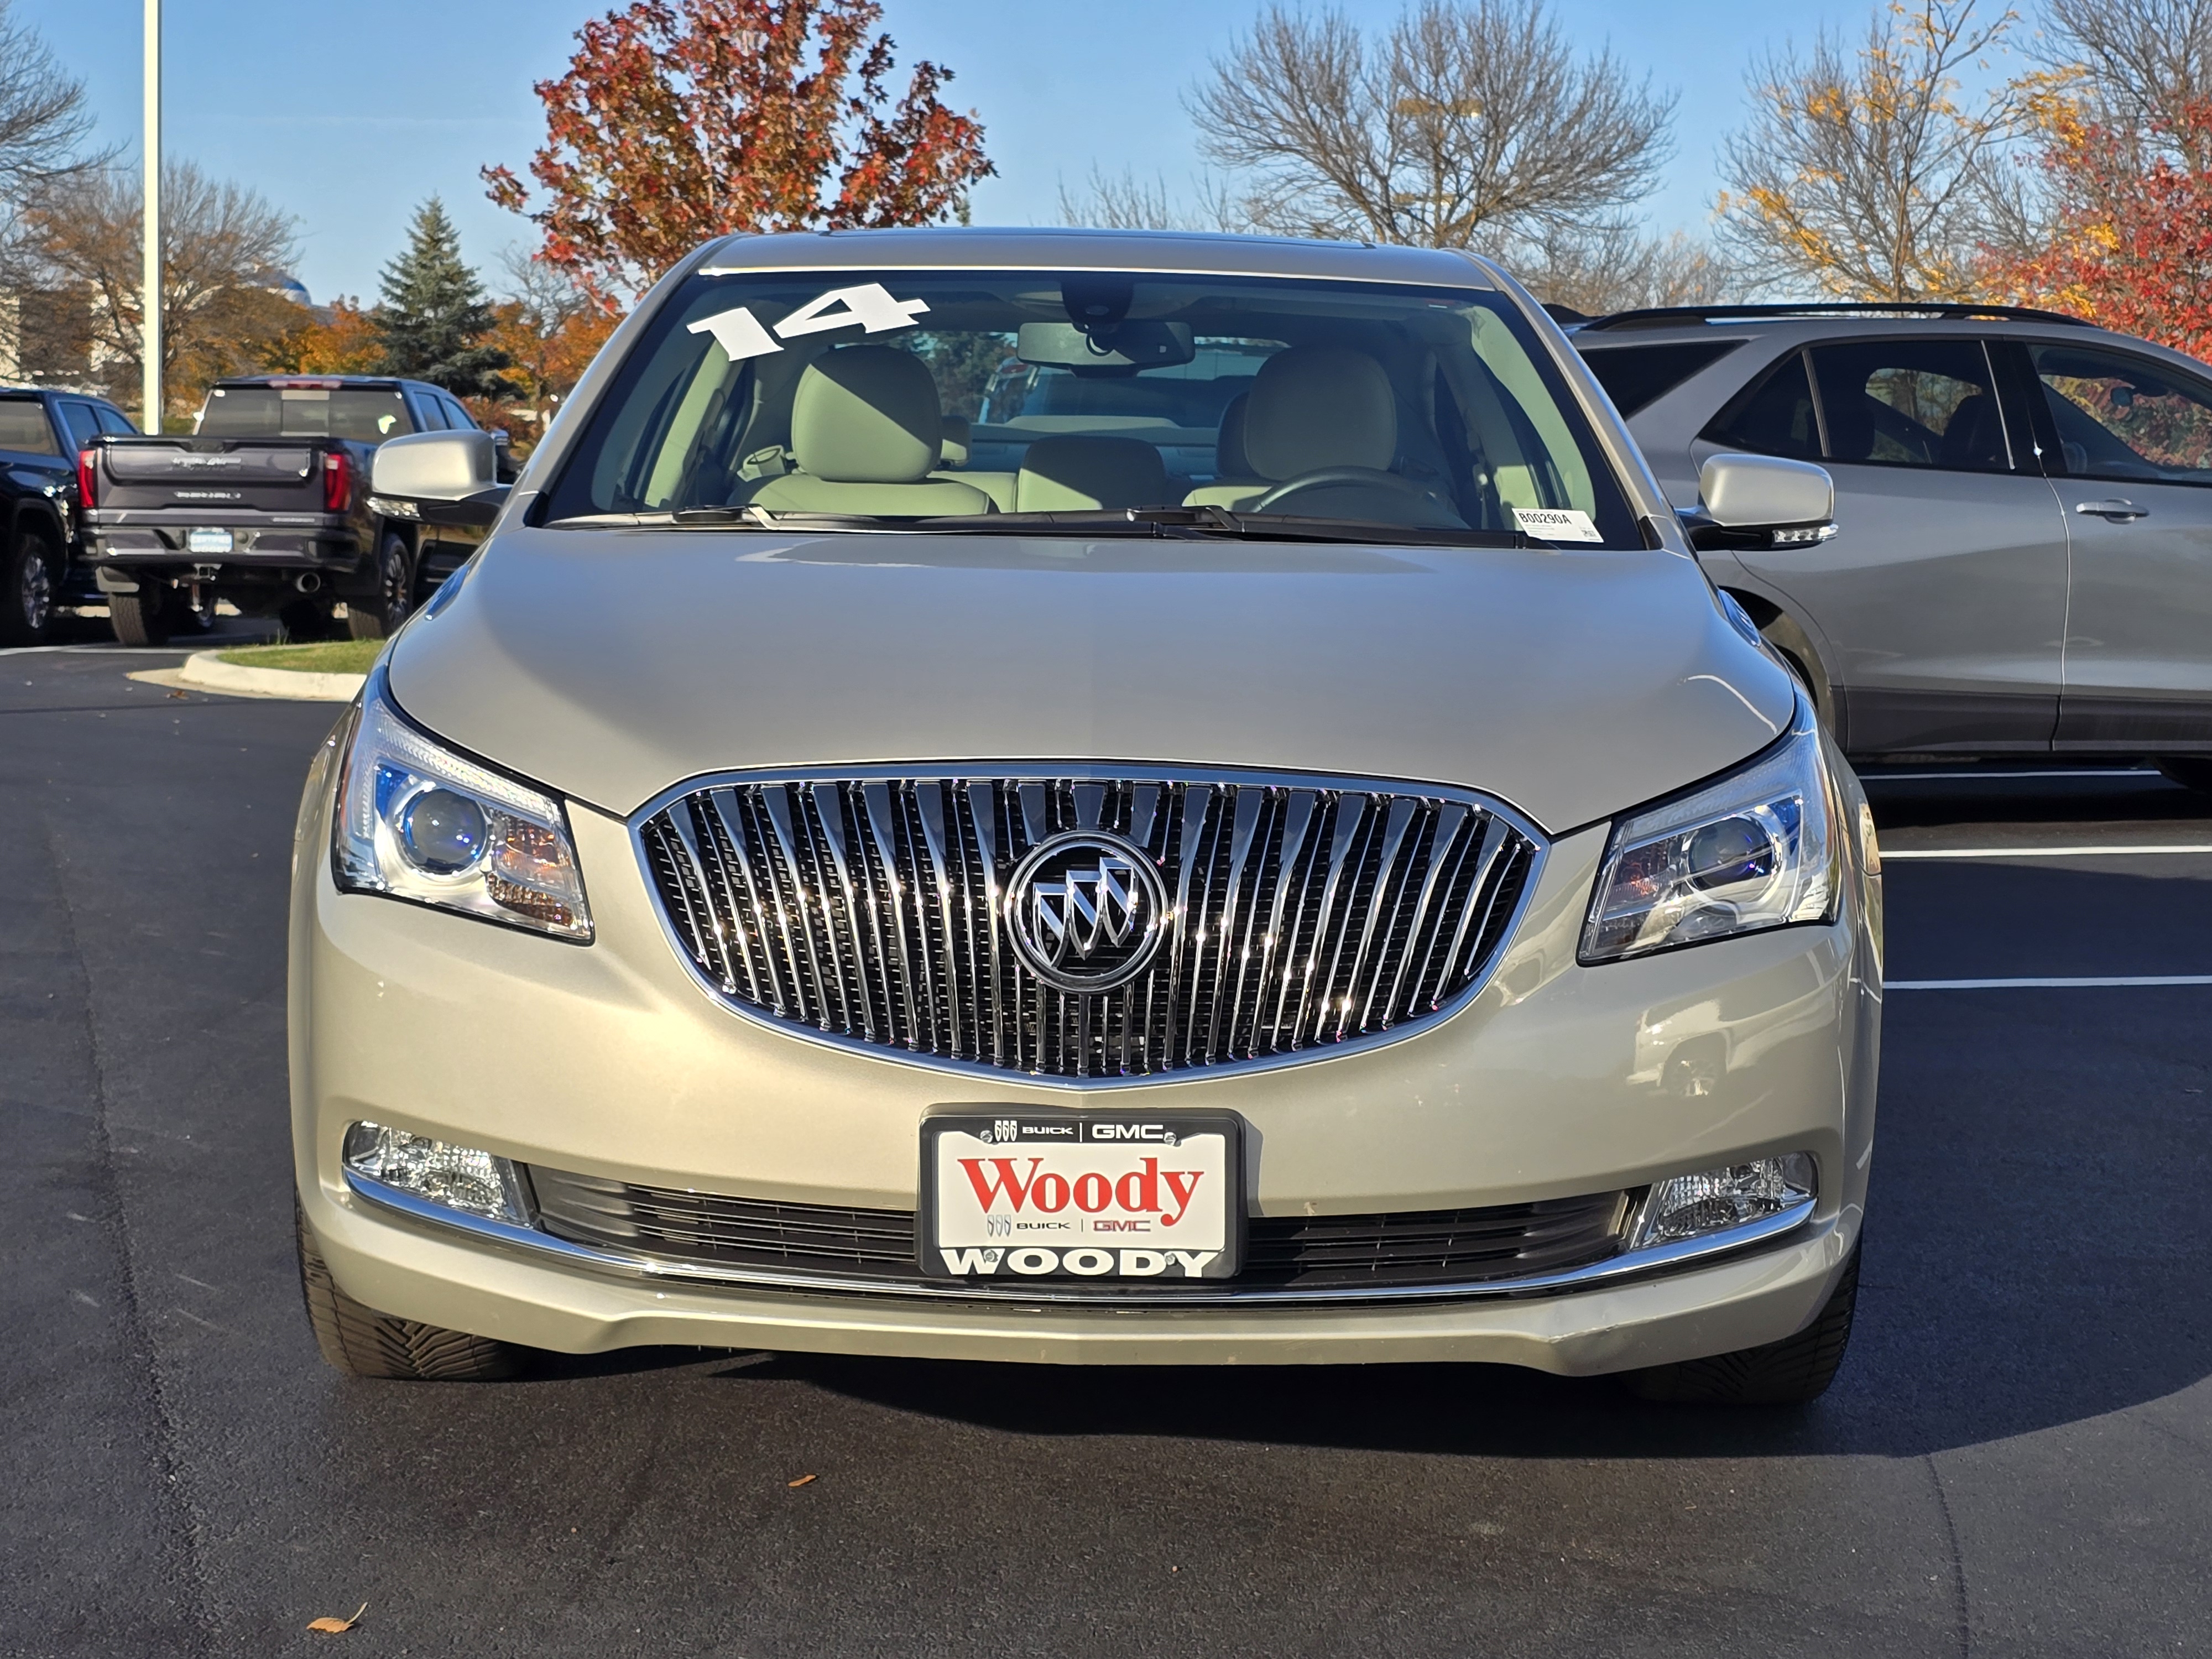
x=459, y=1177
x=1715, y=1200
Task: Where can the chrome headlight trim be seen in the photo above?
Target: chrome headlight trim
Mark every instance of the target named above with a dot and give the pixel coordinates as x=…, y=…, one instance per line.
x=506, y=855
x=1755, y=849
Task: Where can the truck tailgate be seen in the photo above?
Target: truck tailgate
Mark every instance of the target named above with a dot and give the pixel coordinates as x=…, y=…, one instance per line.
x=265, y=474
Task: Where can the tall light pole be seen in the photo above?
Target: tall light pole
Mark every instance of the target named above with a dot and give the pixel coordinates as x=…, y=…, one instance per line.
x=150, y=291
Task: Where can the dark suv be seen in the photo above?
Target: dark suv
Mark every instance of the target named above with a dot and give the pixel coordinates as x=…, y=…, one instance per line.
x=40, y=432
x=2024, y=555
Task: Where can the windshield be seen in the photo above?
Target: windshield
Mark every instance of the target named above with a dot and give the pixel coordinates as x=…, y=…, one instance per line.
x=903, y=397
x=366, y=414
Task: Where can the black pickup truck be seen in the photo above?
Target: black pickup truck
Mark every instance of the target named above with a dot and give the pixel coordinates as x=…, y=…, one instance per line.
x=267, y=505
x=41, y=430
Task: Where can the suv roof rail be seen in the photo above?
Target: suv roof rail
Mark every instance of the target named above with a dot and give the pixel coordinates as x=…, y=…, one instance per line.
x=1662, y=316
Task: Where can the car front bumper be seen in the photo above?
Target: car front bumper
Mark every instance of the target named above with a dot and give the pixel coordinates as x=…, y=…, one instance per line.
x=1556, y=1081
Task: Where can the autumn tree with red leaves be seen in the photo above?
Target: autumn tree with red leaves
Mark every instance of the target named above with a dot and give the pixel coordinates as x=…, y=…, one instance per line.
x=680, y=121
x=2130, y=246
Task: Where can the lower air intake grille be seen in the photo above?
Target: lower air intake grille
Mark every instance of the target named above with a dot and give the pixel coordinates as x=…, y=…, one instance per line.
x=1281, y=917
x=1320, y=1253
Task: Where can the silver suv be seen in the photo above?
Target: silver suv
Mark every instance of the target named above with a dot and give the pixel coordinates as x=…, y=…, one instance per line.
x=2024, y=558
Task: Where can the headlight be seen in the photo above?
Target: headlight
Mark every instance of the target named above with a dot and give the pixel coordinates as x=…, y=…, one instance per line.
x=416, y=820
x=1754, y=850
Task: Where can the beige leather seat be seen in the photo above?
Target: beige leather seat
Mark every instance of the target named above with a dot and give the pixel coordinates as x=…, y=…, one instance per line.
x=865, y=430
x=1078, y=475
x=1309, y=407
x=1325, y=408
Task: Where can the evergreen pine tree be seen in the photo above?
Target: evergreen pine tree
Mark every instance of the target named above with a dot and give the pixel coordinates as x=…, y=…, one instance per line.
x=434, y=314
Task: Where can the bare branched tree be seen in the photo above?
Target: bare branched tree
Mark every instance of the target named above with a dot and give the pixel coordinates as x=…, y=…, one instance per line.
x=2130, y=62
x=1862, y=172
x=1124, y=201
x=222, y=250
x=1615, y=268
x=44, y=118
x=1465, y=121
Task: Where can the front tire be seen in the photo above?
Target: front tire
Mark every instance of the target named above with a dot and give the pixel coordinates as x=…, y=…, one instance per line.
x=1790, y=1372
x=140, y=618
x=361, y=1342
x=379, y=618
x=29, y=585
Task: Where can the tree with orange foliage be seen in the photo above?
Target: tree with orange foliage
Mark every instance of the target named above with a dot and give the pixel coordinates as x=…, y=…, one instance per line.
x=680, y=121
x=2130, y=242
x=344, y=342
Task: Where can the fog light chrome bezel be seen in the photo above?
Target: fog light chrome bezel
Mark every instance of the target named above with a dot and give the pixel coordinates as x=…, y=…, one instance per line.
x=400, y=1161
x=1767, y=1195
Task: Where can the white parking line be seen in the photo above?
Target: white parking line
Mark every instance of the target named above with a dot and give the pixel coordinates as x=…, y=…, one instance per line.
x=1890, y=855
x=2115, y=982
x=1985, y=777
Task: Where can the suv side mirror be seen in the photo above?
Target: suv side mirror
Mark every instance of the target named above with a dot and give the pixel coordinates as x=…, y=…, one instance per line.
x=438, y=477
x=1761, y=500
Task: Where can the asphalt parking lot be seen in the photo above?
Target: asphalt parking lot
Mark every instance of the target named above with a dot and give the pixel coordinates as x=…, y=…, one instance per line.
x=2016, y=1459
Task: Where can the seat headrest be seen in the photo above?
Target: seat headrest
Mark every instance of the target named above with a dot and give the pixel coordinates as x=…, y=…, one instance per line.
x=1230, y=460
x=1317, y=406
x=1974, y=437
x=1075, y=475
x=867, y=414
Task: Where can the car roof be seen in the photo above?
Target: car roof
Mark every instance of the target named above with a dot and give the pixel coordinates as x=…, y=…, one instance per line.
x=1798, y=326
x=962, y=247
x=318, y=381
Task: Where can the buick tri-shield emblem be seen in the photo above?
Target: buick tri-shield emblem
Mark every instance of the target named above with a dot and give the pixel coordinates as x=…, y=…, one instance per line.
x=1086, y=911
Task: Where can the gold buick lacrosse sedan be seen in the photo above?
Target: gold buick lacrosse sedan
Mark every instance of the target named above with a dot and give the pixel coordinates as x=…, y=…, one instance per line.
x=1087, y=799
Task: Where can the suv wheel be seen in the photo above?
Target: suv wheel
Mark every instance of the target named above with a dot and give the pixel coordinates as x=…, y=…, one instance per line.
x=1789, y=1372
x=361, y=1342
x=140, y=618
x=379, y=618
x=28, y=591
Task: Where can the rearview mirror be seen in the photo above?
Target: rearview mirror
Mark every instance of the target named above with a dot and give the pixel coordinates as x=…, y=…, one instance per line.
x=438, y=477
x=1761, y=500
x=1127, y=347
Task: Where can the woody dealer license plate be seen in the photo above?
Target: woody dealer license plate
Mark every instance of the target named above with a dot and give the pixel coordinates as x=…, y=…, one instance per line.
x=1011, y=1194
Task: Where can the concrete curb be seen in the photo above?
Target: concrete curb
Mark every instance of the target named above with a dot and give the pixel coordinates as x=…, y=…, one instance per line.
x=206, y=670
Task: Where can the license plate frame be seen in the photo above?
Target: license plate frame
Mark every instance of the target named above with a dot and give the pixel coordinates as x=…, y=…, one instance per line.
x=210, y=541
x=1072, y=1143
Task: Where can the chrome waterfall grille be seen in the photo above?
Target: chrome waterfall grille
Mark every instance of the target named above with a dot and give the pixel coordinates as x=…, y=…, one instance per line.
x=1297, y=915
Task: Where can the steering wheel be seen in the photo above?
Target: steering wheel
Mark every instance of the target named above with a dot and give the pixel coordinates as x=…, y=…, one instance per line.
x=1393, y=498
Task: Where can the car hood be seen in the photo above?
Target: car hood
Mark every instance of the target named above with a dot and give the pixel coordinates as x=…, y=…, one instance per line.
x=610, y=665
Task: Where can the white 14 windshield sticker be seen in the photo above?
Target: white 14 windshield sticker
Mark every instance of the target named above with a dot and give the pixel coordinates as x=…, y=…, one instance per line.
x=740, y=335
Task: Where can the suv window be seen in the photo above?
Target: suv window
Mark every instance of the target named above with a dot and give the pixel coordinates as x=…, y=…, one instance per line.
x=1776, y=417
x=2125, y=417
x=24, y=427
x=1635, y=377
x=112, y=419
x=457, y=417
x=1911, y=403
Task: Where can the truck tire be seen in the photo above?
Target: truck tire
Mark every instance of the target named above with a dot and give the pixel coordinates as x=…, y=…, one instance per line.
x=29, y=583
x=379, y=618
x=140, y=618
x=1790, y=1372
x=361, y=1342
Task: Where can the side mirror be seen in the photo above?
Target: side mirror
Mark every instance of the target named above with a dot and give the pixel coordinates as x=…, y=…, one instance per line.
x=1761, y=500
x=438, y=477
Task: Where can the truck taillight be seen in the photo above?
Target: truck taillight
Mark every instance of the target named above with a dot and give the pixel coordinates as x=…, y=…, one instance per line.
x=337, y=482
x=88, y=469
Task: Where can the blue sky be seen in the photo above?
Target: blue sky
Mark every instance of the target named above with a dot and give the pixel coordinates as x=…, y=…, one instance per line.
x=348, y=115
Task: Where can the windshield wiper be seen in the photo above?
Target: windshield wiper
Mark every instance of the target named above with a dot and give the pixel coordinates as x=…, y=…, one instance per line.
x=1209, y=521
